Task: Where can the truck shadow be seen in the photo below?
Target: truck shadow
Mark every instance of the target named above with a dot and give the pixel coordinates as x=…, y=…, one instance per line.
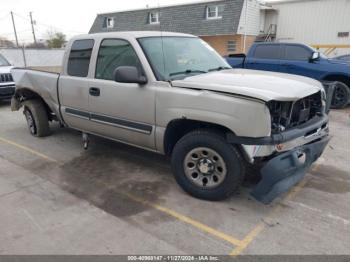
x=108, y=172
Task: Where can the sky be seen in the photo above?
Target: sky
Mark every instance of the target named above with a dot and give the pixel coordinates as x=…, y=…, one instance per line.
x=71, y=17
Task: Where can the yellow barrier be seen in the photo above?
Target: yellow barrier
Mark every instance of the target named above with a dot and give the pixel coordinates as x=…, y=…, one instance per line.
x=329, y=48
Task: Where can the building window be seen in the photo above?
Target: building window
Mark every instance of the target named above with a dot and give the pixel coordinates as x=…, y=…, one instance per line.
x=153, y=17
x=108, y=22
x=231, y=46
x=215, y=11
x=343, y=34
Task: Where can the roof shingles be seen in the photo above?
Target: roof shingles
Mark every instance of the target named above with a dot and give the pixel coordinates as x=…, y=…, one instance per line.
x=189, y=18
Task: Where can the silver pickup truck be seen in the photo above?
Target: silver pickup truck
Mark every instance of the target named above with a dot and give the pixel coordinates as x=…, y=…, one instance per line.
x=173, y=94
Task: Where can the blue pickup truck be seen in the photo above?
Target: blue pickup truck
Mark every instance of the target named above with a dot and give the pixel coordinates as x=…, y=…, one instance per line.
x=298, y=59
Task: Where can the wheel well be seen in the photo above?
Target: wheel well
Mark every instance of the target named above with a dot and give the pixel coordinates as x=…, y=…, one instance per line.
x=26, y=94
x=176, y=129
x=340, y=78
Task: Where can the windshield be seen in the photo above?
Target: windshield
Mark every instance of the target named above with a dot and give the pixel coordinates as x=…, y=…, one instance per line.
x=3, y=61
x=183, y=56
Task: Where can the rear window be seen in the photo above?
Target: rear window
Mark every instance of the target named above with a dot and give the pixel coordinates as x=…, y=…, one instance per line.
x=267, y=52
x=79, y=57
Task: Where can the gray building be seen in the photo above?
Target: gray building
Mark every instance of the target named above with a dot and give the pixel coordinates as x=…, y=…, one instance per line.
x=230, y=26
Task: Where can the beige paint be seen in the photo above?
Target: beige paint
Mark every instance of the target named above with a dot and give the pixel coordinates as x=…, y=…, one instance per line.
x=219, y=43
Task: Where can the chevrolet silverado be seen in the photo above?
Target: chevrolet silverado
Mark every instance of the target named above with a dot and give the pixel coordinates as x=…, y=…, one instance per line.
x=173, y=94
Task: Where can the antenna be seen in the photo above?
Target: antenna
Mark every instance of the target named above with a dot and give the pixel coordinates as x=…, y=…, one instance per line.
x=161, y=35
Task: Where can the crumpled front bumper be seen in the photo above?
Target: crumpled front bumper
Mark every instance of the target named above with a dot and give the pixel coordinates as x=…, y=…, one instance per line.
x=285, y=170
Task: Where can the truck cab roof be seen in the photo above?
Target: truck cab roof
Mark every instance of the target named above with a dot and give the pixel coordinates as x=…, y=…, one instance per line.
x=130, y=34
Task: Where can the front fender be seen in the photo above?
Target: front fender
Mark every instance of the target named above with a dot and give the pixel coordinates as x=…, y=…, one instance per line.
x=243, y=116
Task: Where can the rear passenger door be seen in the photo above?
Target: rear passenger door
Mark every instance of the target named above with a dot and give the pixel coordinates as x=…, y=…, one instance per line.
x=74, y=84
x=265, y=57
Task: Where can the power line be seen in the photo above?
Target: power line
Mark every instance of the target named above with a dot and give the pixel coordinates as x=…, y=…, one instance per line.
x=55, y=27
x=22, y=17
x=38, y=24
x=11, y=33
x=4, y=17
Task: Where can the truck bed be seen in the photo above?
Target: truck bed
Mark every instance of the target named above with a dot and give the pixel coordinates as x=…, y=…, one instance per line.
x=41, y=82
x=49, y=69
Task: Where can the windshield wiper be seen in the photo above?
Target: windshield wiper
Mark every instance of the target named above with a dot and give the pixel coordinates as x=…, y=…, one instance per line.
x=219, y=68
x=188, y=71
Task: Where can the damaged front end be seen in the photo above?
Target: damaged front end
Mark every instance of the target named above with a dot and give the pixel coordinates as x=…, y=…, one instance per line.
x=299, y=135
x=287, y=169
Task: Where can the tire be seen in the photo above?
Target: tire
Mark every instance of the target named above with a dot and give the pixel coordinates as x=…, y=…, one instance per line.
x=222, y=160
x=37, y=118
x=341, y=96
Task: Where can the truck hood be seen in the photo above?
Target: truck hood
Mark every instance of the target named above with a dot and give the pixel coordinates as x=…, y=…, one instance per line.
x=5, y=69
x=339, y=62
x=262, y=85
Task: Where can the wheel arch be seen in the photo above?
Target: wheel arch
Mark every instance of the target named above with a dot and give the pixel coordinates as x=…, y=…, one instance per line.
x=177, y=128
x=25, y=94
x=338, y=77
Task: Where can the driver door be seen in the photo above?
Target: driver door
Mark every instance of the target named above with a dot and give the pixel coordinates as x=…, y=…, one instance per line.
x=296, y=61
x=121, y=111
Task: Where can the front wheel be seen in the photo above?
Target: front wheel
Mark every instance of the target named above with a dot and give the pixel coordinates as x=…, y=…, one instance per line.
x=206, y=166
x=341, y=96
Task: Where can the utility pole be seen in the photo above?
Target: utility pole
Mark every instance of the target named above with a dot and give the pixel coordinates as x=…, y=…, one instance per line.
x=32, y=23
x=14, y=28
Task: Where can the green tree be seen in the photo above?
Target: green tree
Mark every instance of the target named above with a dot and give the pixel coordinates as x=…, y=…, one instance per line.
x=56, y=39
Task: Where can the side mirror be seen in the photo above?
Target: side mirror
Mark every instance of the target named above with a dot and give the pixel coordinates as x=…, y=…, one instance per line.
x=315, y=56
x=129, y=74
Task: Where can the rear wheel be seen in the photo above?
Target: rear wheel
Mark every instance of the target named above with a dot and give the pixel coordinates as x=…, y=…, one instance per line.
x=37, y=118
x=206, y=166
x=341, y=96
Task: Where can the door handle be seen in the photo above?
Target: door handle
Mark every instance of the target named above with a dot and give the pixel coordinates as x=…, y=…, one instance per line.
x=94, y=91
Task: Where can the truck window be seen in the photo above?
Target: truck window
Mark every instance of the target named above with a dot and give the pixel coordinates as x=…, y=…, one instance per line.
x=173, y=54
x=112, y=54
x=267, y=52
x=79, y=57
x=294, y=52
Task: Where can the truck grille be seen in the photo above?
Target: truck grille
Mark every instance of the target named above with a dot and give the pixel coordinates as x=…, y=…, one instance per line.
x=5, y=78
x=286, y=115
